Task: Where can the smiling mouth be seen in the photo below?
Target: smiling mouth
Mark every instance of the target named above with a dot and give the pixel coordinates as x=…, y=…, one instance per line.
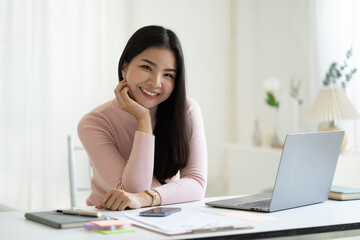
x=148, y=93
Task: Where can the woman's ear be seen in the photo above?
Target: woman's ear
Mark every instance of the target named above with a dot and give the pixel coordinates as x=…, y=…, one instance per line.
x=123, y=69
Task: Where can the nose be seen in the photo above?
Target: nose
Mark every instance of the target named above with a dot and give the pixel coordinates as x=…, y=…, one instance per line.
x=155, y=80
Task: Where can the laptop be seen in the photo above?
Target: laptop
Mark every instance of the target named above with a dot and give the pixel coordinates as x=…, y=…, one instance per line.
x=305, y=174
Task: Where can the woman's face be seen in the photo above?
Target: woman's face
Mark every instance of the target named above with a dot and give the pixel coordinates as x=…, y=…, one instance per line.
x=151, y=76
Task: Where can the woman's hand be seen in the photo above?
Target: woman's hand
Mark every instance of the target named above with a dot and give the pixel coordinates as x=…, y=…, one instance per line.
x=118, y=200
x=126, y=103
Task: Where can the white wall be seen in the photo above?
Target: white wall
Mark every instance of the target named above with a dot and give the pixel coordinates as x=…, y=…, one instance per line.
x=274, y=40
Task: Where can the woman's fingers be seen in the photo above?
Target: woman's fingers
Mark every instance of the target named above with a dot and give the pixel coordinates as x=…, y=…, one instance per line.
x=116, y=204
x=119, y=89
x=118, y=200
x=110, y=202
x=106, y=197
x=122, y=96
x=120, y=86
x=124, y=203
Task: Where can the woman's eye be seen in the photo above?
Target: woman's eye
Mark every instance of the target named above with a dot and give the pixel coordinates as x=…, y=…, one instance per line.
x=146, y=67
x=169, y=75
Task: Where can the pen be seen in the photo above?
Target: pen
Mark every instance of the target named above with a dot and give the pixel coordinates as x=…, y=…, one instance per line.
x=79, y=212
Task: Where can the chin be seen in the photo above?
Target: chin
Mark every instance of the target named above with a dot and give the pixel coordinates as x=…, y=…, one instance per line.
x=147, y=105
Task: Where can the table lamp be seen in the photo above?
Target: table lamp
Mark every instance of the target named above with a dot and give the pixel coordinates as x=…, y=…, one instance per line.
x=330, y=106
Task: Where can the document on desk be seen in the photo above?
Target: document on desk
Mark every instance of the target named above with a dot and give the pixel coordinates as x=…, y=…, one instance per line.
x=188, y=221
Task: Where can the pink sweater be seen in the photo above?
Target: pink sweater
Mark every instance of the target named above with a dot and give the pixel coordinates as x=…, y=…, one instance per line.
x=123, y=158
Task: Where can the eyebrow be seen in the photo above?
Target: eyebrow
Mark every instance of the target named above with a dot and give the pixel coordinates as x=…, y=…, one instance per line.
x=155, y=65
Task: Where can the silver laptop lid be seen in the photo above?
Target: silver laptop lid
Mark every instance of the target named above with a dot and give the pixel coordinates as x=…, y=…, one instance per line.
x=305, y=177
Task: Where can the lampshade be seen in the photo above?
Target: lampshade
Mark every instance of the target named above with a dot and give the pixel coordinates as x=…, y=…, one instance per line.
x=332, y=105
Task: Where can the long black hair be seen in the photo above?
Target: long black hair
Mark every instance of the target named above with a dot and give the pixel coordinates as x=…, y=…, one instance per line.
x=171, y=130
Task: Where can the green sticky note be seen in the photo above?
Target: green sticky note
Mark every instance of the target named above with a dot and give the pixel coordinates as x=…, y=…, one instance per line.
x=120, y=230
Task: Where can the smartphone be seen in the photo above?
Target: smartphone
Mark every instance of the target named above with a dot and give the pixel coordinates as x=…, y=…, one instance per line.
x=160, y=212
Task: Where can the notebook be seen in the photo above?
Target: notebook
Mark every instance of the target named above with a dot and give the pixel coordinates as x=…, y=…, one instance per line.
x=59, y=220
x=305, y=174
x=344, y=193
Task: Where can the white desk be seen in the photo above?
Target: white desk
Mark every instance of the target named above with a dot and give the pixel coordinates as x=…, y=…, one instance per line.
x=330, y=219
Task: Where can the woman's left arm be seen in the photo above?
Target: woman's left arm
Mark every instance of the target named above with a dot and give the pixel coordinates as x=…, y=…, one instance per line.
x=192, y=183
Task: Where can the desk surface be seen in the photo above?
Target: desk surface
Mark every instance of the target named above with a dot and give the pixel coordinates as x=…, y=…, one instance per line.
x=331, y=219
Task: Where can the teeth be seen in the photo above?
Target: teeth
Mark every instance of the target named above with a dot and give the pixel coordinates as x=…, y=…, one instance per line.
x=148, y=93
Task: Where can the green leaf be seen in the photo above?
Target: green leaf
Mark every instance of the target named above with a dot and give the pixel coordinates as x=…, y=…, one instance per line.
x=271, y=100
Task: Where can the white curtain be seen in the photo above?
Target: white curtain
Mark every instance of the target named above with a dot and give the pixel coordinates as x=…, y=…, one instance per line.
x=58, y=60
x=337, y=30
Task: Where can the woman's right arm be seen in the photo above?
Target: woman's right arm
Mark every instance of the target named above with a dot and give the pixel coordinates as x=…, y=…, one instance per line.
x=109, y=166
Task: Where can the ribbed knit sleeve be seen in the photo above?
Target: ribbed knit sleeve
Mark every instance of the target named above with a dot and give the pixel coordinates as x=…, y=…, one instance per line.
x=107, y=145
x=192, y=183
x=138, y=173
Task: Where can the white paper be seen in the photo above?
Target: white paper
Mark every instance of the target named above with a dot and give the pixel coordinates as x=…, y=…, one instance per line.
x=186, y=221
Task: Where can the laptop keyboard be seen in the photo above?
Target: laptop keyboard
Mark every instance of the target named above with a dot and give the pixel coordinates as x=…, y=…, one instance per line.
x=258, y=204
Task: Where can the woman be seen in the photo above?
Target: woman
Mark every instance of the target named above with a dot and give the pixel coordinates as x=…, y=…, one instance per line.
x=147, y=146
